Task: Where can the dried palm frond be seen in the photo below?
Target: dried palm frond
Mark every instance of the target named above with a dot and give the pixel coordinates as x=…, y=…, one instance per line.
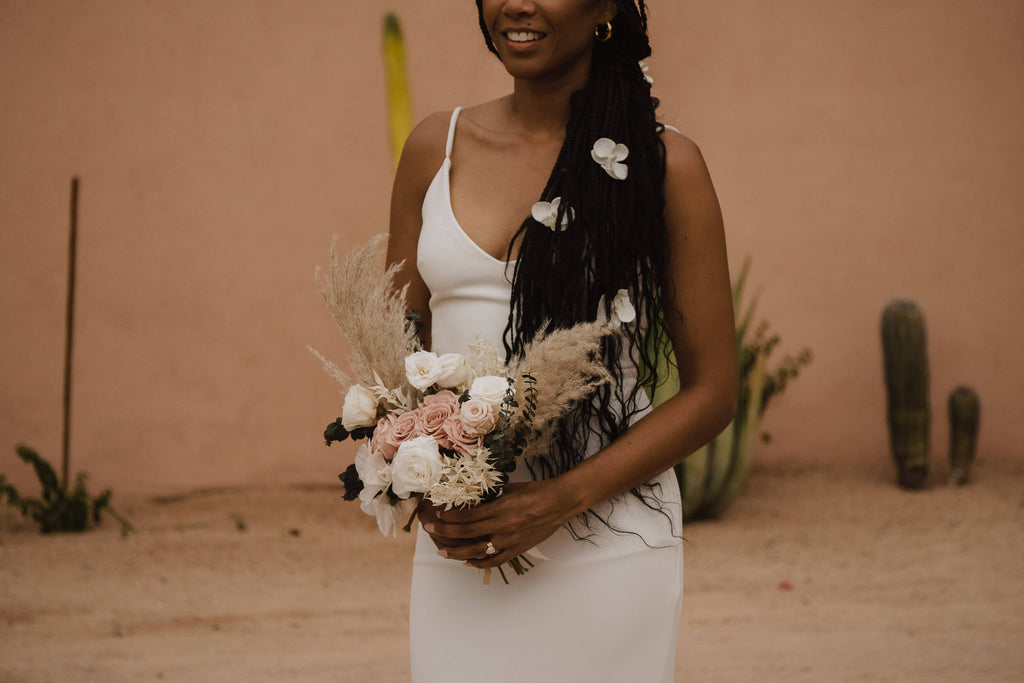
x=563, y=367
x=370, y=312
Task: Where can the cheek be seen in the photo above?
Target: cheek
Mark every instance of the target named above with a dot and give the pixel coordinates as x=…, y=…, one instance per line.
x=487, y=12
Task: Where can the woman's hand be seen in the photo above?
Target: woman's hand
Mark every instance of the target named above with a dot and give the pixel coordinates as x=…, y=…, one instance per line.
x=524, y=515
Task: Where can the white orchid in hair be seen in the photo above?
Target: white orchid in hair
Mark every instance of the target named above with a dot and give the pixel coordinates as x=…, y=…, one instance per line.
x=622, y=308
x=546, y=213
x=609, y=155
x=644, y=68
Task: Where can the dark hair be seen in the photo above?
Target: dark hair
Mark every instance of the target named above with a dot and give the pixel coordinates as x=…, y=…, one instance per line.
x=615, y=239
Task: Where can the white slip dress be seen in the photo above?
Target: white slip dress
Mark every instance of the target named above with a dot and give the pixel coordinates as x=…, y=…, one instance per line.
x=605, y=609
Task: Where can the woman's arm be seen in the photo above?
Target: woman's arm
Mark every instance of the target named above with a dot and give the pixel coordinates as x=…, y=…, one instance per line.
x=422, y=155
x=704, y=340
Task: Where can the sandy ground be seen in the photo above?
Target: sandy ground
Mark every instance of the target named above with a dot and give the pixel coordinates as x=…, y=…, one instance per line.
x=818, y=573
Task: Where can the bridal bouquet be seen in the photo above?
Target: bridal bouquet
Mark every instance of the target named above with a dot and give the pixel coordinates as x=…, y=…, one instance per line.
x=445, y=428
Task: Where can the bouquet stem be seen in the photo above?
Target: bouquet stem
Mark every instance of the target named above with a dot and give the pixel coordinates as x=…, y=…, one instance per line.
x=408, y=525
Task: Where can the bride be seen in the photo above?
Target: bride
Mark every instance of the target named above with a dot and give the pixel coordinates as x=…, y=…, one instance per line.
x=563, y=201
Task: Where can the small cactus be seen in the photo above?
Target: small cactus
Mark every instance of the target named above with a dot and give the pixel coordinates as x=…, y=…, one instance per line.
x=906, y=382
x=964, y=415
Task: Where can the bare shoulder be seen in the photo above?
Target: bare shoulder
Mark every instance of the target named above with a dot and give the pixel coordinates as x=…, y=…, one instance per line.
x=691, y=204
x=485, y=122
x=683, y=158
x=423, y=151
x=422, y=156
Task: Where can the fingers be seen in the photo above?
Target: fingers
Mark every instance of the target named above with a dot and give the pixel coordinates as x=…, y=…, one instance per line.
x=469, y=551
x=492, y=561
x=458, y=531
x=478, y=513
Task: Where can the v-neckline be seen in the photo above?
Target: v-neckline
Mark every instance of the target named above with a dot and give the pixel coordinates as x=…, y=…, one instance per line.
x=446, y=173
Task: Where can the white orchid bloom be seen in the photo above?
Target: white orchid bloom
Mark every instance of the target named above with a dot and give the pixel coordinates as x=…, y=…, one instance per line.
x=610, y=155
x=389, y=517
x=644, y=68
x=546, y=213
x=373, y=470
x=622, y=308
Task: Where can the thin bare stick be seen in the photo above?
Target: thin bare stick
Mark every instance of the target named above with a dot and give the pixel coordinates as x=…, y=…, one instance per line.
x=68, y=336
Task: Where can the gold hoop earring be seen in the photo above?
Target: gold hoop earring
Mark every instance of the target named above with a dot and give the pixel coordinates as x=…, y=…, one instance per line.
x=606, y=35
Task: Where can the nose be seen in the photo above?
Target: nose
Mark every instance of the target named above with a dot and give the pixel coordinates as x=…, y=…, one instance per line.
x=518, y=8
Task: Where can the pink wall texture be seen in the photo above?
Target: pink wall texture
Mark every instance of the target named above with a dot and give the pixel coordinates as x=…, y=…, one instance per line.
x=862, y=151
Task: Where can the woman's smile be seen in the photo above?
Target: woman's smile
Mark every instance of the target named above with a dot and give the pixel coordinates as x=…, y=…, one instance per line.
x=521, y=41
x=523, y=36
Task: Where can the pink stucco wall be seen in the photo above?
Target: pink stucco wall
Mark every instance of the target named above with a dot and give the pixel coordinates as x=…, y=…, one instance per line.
x=862, y=151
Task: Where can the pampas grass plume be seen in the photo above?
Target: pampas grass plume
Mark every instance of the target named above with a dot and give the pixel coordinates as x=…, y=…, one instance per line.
x=361, y=296
x=567, y=367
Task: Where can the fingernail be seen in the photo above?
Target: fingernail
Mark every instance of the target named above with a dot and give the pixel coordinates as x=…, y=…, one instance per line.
x=429, y=528
x=442, y=553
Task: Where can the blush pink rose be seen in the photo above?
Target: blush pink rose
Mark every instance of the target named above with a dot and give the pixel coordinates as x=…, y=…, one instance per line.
x=444, y=396
x=430, y=420
x=392, y=431
x=460, y=439
x=382, y=441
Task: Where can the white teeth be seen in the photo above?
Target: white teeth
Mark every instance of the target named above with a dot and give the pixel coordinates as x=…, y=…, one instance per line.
x=523, y=36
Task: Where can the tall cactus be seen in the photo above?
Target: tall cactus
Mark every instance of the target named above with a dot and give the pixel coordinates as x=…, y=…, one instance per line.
x=399, y=101
x=964, y=415
x=906, y=382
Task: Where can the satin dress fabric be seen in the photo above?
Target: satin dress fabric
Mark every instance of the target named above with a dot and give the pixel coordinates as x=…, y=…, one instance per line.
x=602, y=609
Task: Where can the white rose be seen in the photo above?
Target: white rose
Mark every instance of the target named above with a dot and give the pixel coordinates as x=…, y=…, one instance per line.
x=373, y=470
x=490, y=388
x=417, y=466
x=360, y=408
x=422, y=369
x=478, y=417
x=454, y=371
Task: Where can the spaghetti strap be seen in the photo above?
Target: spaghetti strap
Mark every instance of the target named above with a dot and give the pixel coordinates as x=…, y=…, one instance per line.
x=451, y=134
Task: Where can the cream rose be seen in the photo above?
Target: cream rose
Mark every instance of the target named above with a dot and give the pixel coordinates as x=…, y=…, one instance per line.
x=477, y=416
x=417, y=466
x=360, y=408
x=422, y=369
x=454, y=370
x=490, y=388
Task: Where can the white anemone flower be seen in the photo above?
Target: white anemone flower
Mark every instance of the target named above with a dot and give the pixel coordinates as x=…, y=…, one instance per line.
x=609, y=155
x=422, y=369
x=546, y=213
x=622, y=308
